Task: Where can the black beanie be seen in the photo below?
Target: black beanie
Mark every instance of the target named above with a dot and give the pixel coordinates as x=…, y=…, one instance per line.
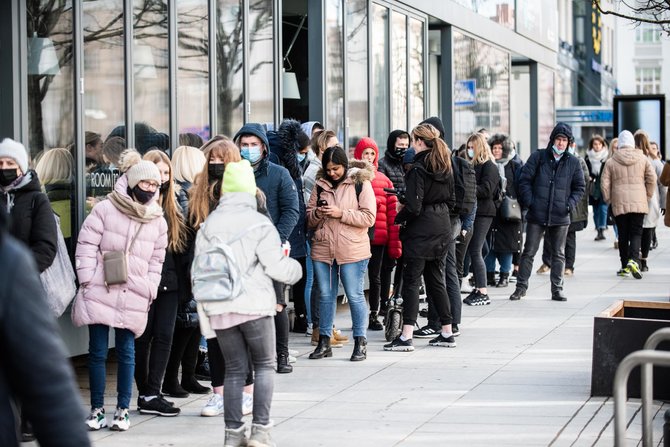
x=435, y=122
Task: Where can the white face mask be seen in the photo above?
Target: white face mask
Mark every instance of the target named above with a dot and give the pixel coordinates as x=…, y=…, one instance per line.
x=471, y=153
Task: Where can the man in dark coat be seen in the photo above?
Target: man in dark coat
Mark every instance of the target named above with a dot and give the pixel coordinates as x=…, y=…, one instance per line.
x=550, y=187
x=34, y=370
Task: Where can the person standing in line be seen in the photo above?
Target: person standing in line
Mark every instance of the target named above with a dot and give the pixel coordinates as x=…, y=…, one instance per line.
x=340, y=211
x=614, y=144
x=596, y=156
x=152, y=348
x=386, y=241
x=424, y=219
x=550, y=187
x=130, y=221
x=488, y=183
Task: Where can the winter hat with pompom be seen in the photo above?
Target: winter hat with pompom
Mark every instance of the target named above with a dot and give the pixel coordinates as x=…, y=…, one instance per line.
x=137, y=169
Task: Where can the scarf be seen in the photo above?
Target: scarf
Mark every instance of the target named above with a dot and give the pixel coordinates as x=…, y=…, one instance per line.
x=19, y=183
x=501, y=163
x=596, y=159
x=135, y=211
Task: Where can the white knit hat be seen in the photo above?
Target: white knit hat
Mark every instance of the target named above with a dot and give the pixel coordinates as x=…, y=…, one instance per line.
x=143, y=170
x=16, y=151
x=626, y=140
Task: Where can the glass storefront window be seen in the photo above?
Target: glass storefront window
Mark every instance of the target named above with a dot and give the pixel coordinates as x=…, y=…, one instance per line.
x=230, y=75
x=193, y=69
x=334, y=68
x=481, y=88
x=261, y=62
x=546, y=117
x=398, y=70
x=357, y=69
x=538, y=20
x=379, y=96
x=415, y=70
x=500, y=11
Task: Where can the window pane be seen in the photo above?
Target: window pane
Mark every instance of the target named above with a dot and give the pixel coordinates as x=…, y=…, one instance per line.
x=334, y=68
x=500, y=11
x=193, y=69
x=545, y=107
x=357, y=68
x=150, y=64
x=398, y=71
x=261, y=62
x=380, y=87
x=416, y=89
x=230, y=81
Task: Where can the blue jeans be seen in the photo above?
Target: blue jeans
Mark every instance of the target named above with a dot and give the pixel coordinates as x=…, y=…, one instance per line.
x=352, y=279
x=98, y=344
x=600, y=215
x=309, y=282
x=505, y=260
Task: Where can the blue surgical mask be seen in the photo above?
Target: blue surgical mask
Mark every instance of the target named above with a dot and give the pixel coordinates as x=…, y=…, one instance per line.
x=558, y=151
x=253, y=154
x=571, y=150
x=301, y=157
x=471, y=153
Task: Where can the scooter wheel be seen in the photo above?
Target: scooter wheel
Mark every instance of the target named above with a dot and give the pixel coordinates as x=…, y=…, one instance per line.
x=393, y=325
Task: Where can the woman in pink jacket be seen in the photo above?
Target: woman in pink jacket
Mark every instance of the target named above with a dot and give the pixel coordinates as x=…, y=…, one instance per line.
x=131, y=221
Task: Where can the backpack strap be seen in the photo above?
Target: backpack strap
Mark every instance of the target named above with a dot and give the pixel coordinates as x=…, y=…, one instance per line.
x=359, y=188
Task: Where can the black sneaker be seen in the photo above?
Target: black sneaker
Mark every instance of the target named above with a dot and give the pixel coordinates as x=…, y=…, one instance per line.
x=517, y=295
x=470, y=298
x=455, y=330
x=426, y=332
x=158, y=406
x=441, y=340
x=478, y=299
x=398, y=345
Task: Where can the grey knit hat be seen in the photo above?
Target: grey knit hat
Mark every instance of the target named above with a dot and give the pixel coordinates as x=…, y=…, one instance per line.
x=16, y=151
x=144, y=170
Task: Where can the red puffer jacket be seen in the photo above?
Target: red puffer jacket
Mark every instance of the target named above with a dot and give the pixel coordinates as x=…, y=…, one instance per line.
x=386, y=233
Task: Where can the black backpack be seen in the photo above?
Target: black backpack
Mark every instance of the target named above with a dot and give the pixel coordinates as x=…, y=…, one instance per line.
x=465, y=183
x=359, y=188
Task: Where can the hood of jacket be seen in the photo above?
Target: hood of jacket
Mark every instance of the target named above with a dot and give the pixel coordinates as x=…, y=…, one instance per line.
x=390, y=143
x=288, y=133
x=308, y=126
x=358, y=172
x=627, y=156
x=365, y=143
x=256, y=130
x=560, y=129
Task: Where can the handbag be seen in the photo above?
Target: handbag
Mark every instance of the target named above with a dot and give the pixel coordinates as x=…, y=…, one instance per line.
x=510, y=210
x=59, y=279
x=115, y=264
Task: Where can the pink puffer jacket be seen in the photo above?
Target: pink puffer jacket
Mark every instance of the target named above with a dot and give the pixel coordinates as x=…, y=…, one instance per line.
x=123, y=305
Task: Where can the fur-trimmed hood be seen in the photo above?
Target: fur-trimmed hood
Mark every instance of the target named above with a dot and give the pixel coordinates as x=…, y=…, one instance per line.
x=288, y=133
x=358, y=171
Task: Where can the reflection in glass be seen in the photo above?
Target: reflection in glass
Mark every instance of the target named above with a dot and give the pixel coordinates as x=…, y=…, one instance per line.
x=150, y=63
x=545, y=104
x=398, y=71
x=538, y=20
x=416, y=114
x=193, y=68
x=229, y=76
x=261, y=62
x=481, y=88
x=357, y=69
x=379, y=46
x=500, y=11
x=334, y=68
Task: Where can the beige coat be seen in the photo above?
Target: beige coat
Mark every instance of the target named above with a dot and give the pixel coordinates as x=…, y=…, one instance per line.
x=628, y=182
x=665, y=181
x=343, y=240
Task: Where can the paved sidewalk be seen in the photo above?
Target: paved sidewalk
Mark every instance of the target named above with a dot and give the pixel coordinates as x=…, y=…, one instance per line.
x=520, y=375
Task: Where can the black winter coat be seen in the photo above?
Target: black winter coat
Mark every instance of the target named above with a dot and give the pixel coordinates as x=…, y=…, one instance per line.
x=282, y=197
x=426, y=228
x=550, y=189
x=32, y=220
x=507, y=237
x=580, y=215
x=391, y=166
x=488, y=182
x=187, y=312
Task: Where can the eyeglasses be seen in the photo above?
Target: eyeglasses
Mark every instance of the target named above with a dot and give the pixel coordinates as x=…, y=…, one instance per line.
x=148, y=186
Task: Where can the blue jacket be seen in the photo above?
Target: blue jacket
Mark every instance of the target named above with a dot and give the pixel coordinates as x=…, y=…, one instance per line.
x=281, y=194
x=550, y=189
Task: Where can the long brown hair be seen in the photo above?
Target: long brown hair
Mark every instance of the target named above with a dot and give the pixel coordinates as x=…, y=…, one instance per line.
x=175, y=220
x=202, y=195
x=642, y=142
x=439, y=155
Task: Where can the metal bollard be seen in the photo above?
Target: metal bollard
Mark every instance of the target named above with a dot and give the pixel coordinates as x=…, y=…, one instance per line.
x=666, y=429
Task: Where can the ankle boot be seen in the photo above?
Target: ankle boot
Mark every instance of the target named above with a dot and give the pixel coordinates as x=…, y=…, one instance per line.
x=503, y=281
x=491, y=279
x=360, y=349
x=191, y=385
x=601, y=235
x=643, y=265
x=172, y=388
x=322, y=349
x=283, y=365
x=373, y=323
x=315, y=335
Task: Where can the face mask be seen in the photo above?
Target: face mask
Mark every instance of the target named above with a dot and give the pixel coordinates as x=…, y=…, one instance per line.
x=471, y=153
x=557, y=151
x=571, y=150
x=141, y=195
x=7, y=176
x=252, y=154
x=164, y=187
x=301, y=157
x=215, y=171
x=399, y=151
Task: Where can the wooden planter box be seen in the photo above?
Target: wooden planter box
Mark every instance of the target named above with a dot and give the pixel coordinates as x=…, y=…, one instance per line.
x=621, y=329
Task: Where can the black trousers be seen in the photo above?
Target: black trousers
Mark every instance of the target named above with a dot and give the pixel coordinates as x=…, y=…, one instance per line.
x=570, y=250
x=152, y=349
x=217, y=365
x=374, y=275
x=453, y=286
x=630, y=236
x=315, y=299
x=298, y=290
x=479, y=231
x=461, y=251
x=388, y=264
x=185, y=346
x=433, y=276
x=647, y=237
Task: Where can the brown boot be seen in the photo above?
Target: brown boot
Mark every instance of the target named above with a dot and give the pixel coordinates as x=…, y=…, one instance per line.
x=315, y=336
x=337, y=335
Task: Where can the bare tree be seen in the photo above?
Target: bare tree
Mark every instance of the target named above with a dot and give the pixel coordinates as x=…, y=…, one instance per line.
x=642, y=11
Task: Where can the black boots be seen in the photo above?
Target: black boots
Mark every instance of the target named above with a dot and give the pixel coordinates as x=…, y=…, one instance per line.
x=373, y=323
x=643, y=265
x=323, y=349
x=283, y=365
x=191, y=385
x=518, y=294
x=300, y=324
x=491, y=279
x=202, y=366
x=601, y=235
x=503, y=281
x=360, y=349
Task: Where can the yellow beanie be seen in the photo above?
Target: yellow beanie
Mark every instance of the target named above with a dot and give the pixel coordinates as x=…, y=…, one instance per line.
x=239, y=177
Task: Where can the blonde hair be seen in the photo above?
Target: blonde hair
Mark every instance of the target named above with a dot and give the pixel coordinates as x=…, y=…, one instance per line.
x=55, y=166
x=482, y=149
x=439, y=157
x=614, y=143
x=642, y=142
x=187, y=163
x=202, y=196
x=320, y=141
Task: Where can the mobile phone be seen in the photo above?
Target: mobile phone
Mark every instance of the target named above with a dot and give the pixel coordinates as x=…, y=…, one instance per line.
x=321, y=202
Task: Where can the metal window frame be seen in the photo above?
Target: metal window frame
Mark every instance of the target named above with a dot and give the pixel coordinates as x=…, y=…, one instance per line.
x=129, y=71
x=79, y=91
x=211, y=43
x=172, y=76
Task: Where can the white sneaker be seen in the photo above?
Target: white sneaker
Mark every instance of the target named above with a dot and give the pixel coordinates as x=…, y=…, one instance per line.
x=292, y=359
x=121, y=420
x=214, y=406
x=247, y=403
x=310, y=328
x=96, y=420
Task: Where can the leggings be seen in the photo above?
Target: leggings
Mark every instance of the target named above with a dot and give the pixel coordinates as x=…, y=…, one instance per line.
x=479, y=232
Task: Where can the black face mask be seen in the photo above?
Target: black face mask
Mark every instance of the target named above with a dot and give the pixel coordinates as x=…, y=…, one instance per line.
x=215, y=171
x=141, y=195
x=164, y=187
x=399, y=151
x=8, y=176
